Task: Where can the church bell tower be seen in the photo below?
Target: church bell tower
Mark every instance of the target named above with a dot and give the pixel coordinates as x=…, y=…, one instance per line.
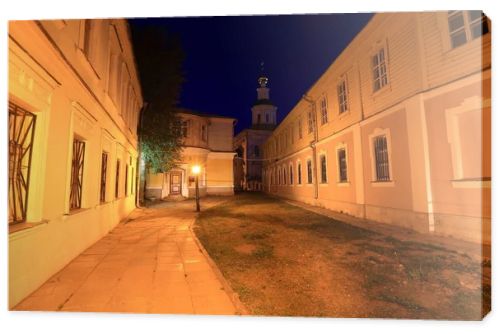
x=263, y=109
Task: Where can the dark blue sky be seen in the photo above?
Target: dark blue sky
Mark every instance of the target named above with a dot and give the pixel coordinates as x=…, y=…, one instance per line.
x=223, y=56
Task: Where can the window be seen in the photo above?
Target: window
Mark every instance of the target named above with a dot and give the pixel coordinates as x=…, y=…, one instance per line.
x=299, y=173
x=267, y=118
x=75, y=197
x=117, y=181
x=279, y=175
x=104, y=168
x=379, y=70
x=291, y=174
x=342, y=96
x=310, y=121
x=324, y=110
x=21, y=135
x=381, y=158
x=256, y=151
x=322, y=162
x=284, y=175
x=204, y=133
x=342, y=159
x=258, y=119
x=126, y=180
x=300, y=128
x=309, y=172
x=185, y=128
x=133, y=181
x=465, y=26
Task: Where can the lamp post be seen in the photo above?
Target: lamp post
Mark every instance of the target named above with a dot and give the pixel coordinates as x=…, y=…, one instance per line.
x=196, y=171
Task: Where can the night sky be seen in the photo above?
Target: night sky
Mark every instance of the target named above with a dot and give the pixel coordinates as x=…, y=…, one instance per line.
x=223, y=56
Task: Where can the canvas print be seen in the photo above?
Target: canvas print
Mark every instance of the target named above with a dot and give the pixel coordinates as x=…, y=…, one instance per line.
x=330, y=165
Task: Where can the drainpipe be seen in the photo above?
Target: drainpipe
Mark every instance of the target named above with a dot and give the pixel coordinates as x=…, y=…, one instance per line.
x=312, y=144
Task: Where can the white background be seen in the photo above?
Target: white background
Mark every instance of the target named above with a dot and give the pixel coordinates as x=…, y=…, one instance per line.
x=46, y=322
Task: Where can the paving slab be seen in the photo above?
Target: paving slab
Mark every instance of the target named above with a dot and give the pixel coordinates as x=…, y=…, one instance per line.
x=151, y=263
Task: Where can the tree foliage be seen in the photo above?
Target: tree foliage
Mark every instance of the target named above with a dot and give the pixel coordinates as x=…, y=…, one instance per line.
x=159, y=59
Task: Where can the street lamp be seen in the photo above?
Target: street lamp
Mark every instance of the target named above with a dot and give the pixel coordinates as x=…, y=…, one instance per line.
x=196, y=171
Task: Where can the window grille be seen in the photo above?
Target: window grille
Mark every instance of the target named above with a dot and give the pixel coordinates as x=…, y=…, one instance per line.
x=322, y=160
x=21, y=135
x=104, y=169
x=117, y=180
x=342, y=165
x=75, y=197
x=381, y=159
x=299, y=173
x=309, y=172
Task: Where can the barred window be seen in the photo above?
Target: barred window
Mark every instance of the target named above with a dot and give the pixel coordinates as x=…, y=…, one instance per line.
x=379, y=70
x=309, y=172
x=322, y=161
x=117, y=180
x=104, y=168
x=341, y=154
x=126, y=180
x=465, y=26
x=75, y=197
x=342, y=96
x=21, y=135
x=324, y=110
x=381, y=158
x=299, y=173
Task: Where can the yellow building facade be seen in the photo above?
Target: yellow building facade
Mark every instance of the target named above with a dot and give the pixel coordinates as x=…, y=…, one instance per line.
x=74, y=103
x=398, y=128
x=208, y=143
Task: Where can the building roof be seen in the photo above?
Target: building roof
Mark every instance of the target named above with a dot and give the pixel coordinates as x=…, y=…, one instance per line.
x=196, y=113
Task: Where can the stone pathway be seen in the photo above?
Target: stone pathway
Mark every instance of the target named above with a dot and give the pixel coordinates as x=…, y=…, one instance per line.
x=149, y=264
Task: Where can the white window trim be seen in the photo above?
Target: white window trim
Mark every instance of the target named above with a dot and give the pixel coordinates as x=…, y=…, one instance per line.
x=471, y=104
x=387, y=133
x=347, y=183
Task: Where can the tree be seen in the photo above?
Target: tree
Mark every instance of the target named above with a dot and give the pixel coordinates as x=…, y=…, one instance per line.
x=159, y=58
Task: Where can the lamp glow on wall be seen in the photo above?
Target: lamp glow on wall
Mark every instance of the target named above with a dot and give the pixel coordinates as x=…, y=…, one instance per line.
x=195, y=169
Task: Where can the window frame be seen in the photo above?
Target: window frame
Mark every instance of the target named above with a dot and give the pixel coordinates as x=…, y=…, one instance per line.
x=343, y=95
x=104, y=176
x=467, y=26
x=377, y=67
x=76, y=174
x=309, y=171
x=340, y=179
x=323, y=107
x=323, y=168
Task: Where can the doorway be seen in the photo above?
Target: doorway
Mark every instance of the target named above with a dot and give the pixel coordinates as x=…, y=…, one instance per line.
x=175, y=183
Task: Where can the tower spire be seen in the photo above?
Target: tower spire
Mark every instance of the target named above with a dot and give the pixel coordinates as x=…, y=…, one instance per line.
x=262, y=78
